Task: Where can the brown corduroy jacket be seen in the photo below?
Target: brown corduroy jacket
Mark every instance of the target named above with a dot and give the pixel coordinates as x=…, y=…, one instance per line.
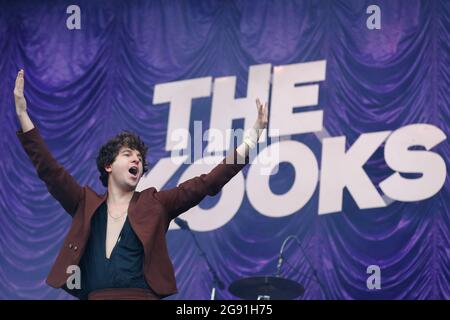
x=149, y=212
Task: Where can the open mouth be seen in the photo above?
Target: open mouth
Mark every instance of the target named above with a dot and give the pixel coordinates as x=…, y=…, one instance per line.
x=133, y=171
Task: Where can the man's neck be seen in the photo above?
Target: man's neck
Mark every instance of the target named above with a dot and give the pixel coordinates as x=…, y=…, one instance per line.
x=118, y=197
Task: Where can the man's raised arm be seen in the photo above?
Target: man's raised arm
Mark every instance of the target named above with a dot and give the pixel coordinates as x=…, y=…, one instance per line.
x=189, y=193
x=61, y=185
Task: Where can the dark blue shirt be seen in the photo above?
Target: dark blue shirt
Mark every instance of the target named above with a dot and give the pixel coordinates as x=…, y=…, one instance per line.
x=124, y=268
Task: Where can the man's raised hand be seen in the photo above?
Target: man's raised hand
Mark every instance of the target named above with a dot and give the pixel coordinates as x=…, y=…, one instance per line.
x=21, y=103
x=19, y=97
x=263, y=113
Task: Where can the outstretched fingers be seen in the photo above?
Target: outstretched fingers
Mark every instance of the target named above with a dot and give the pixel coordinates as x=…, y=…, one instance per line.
x=19, y=86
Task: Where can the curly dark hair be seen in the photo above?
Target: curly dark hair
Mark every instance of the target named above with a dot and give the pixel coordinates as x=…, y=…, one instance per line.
x=109, y=151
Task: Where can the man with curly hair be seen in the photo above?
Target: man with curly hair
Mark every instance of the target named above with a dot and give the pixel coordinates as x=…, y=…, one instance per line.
x=118, y=239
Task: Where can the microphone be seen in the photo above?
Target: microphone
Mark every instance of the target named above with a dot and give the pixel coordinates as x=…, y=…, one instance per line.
x=216, y=281
x=182, y=223
x=314, y=272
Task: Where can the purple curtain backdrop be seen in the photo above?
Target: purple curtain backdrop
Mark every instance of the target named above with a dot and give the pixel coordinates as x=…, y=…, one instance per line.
x=85, y=86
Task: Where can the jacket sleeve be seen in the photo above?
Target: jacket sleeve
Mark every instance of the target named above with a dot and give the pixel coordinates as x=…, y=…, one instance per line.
x=190, y=192
x=61, y=185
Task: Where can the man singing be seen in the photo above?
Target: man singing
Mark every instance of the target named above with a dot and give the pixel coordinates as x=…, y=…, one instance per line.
x=118, y=239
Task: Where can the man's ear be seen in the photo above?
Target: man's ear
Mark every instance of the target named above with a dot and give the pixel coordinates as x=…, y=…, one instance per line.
x=108, y=168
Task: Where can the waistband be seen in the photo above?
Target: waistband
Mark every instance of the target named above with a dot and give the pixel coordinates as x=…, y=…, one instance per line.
x=123, y=294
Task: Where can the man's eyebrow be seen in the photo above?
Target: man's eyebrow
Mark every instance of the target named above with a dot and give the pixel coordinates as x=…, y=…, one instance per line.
x=129, y=150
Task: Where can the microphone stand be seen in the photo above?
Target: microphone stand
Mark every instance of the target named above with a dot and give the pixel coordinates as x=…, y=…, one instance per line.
x=314, y=272
x=216, y=281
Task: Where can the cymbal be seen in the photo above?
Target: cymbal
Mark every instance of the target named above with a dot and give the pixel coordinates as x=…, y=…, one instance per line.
x=275, y=287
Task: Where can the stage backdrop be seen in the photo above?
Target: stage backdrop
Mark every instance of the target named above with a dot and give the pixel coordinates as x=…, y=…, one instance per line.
x=93, y=70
